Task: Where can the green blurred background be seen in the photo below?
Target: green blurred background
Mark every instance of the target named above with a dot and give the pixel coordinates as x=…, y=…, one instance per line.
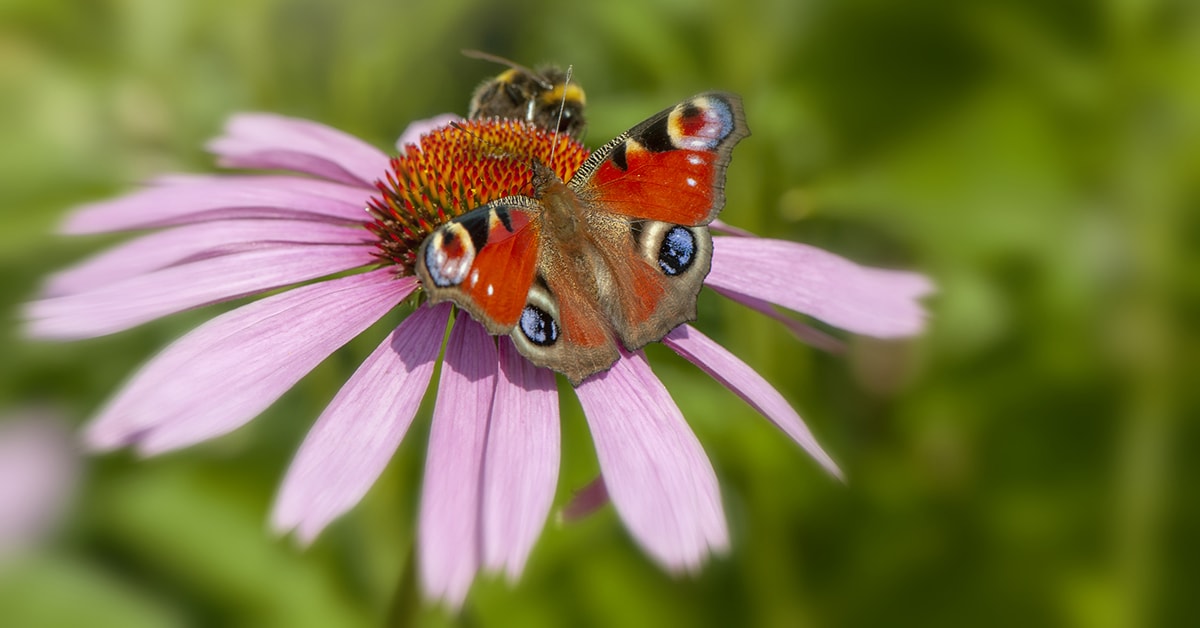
x=1031, y=461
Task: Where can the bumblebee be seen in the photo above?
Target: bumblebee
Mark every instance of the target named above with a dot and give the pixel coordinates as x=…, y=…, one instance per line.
x=536, y=96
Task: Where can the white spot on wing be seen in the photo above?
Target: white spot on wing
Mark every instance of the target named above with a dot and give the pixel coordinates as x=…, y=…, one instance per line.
x=691, y=182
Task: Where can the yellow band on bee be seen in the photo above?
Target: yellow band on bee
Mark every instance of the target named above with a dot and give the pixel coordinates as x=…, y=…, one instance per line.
x=508, y=76
x=574, y=94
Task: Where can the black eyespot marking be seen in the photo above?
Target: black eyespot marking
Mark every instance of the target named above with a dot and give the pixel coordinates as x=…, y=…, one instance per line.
x=538, y=326
x=476, y=224
x=689, y=111
x=502, y=214
x=677, y=252
x=618, y=157
x=656, y=138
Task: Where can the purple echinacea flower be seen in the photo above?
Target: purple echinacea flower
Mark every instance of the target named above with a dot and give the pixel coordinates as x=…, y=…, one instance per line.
x=493, y=457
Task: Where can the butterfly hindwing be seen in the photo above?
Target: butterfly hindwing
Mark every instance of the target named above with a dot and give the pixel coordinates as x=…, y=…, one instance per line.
x=672, y=262
x=671, y=167
x=484, y=261
x=563, y=328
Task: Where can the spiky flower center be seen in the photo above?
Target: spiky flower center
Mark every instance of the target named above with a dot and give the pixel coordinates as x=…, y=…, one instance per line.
x=455, y=170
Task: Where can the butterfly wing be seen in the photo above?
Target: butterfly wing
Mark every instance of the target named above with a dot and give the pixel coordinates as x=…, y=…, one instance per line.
x=657, y=278
x=669, y=168
x=494, y=263
x=563, y=326
x=484, y=261
x=660, y=183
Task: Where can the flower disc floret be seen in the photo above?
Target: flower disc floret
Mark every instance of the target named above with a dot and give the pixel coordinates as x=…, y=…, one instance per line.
x=456, y=169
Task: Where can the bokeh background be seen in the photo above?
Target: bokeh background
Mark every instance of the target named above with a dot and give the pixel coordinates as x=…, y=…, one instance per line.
x=1032, y=460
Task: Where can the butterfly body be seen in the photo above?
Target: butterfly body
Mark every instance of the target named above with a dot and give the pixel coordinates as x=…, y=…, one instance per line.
x=616, y=255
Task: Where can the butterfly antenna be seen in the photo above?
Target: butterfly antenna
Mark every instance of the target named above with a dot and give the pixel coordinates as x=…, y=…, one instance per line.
x=562, y=105
x=487, y=56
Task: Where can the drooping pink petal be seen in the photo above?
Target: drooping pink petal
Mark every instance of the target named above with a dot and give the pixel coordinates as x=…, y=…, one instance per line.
x=726, y=368
x=182, y=200
x=413, y=132
x=870, y=301
x=131, y=302
x=227, y=371
x=351, y=443
x=273, y=142
x=723, y=227
x=658, y=477
x=520, y=469
x=806, y=333
x=586, y=500
x=448, y=537
x=192, y=242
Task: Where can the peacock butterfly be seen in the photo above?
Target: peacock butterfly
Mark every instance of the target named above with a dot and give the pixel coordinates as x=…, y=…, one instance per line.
x=543, y=97
x=617, y=254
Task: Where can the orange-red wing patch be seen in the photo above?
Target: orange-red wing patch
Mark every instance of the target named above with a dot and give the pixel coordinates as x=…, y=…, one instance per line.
x=674, y=186
x=484, y=261
x=499, y=281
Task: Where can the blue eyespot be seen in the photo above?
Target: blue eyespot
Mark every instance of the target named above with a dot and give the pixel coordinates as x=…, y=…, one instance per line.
x=538, y=326
x=725, y=114
x=449, y=254
x=677, y=252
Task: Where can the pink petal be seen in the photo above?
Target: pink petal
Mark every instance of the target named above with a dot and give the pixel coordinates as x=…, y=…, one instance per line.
x=586, y=500
x=726, y=368
x=806, y=333
x=207, y=239
x=725, y=228
x=351, y=443
x=39, y=469
x=449, y=534
x=180, y=200
x=412, y=134
x=521, y=465
x=272, y=142
x=131, y=302
x=658, y=477
x=871, y=301
x=227, y=371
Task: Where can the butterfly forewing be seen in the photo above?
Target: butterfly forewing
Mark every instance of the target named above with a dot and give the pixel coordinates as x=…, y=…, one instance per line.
x=672, y=166
x=484, y=261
